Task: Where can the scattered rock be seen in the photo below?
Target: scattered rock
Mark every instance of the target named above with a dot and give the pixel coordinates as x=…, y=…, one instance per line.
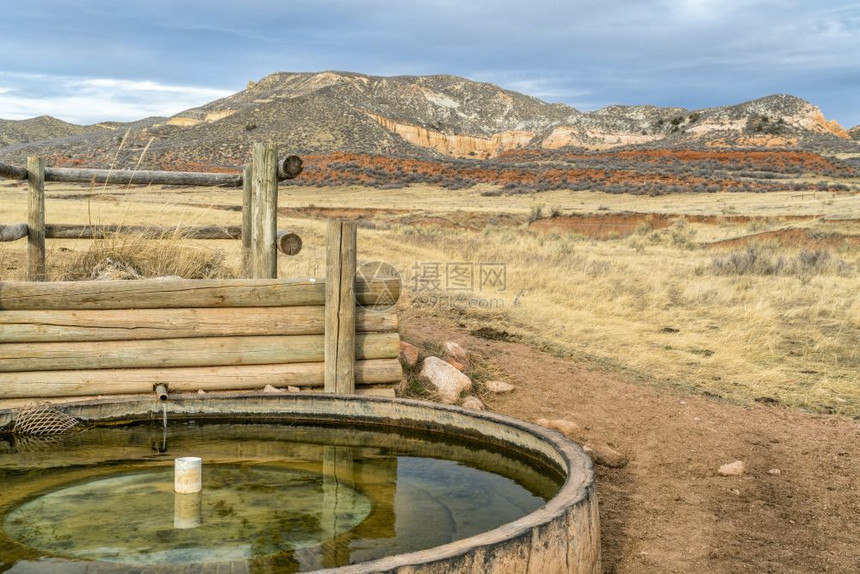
x=201, y=392
x=408, y=354
x=735, y=491
x=774, y=471
x=294, y=389
x=568, y=428
x=456, y=364
x=448, y=381
x=499, y=387
x=456, y=352
x=605, y=455
x=271, y=389
x=735, y=468
x=473, y=403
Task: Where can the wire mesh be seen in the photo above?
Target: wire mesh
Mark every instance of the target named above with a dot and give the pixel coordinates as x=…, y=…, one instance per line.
x=42, y=419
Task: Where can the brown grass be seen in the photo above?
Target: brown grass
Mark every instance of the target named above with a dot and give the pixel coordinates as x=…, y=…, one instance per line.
x=655, y=304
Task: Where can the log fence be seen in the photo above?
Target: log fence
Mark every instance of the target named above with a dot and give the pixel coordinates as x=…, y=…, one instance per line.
x=259, y=182
x=85, y=338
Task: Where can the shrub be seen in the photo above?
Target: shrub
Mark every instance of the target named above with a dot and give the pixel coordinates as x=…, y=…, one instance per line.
x=535, y=214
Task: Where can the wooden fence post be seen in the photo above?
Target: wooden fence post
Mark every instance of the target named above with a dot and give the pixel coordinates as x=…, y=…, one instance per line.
x=265, y=209
x=340, y=307
x=247, y=219
x=36, y=219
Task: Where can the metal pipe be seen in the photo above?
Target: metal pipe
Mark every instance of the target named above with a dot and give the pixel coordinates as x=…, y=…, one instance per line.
x=161, y=392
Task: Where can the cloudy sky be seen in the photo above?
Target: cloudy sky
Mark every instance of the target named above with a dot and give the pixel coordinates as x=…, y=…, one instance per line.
x=92, y=60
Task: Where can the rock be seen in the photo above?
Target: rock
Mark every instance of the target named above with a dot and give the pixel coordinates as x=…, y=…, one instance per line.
x=499, y=387
x=456, y=352
x=271, y=389
x=456, y=364
x=448, y=382
x=605, y=455
x=774, y=471
x=735, y=468
x=201, y=392
x=568, y=428
x=473, y=403
x=293, y=389
x=408, y=354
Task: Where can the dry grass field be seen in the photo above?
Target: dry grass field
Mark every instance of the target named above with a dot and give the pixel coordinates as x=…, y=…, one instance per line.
x=682, y=330
x=748, y=297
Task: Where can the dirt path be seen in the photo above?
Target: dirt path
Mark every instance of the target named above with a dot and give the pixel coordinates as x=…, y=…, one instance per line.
x=796, y=508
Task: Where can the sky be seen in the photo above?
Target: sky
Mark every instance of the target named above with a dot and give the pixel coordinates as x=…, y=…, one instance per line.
x=87, y=61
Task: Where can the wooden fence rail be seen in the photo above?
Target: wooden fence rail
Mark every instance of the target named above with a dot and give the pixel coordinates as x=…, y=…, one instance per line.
x=260, y=197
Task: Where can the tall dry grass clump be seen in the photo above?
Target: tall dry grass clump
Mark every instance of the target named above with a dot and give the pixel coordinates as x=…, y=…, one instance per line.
x=142, y=255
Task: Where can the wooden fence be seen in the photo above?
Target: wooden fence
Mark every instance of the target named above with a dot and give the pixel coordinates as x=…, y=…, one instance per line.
x=259, y=182
x=84, y=338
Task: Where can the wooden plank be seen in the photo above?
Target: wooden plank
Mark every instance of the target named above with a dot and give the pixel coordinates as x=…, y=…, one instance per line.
x=288, y=168
x=176, y=293
x=136, y=324
x=190, y=352
x=12, y=172
x=142, y=177
x=36, y=219
x=69, y=231
x=265, y=209
x=13, y=232
x=45, y=384
x=340, y=306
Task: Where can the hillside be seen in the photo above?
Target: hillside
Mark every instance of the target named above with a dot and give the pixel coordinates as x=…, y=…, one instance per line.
x=423, y=117
x=40, y=129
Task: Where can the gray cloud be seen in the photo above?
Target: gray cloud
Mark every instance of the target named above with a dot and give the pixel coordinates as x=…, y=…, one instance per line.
x=587, y=53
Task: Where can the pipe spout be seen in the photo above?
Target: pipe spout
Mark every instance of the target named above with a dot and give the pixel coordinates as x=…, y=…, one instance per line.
x=161, y=392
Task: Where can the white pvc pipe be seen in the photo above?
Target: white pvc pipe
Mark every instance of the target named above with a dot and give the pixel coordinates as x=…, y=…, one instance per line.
x=187, y=474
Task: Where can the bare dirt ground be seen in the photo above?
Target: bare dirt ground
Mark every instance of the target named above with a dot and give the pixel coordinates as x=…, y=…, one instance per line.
x=795, y=509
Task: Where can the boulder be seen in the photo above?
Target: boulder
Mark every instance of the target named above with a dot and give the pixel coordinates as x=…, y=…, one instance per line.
x=605, y=455
x=408, y=354
x=735, y=468
x=456, y=352
x=568, y=428
x=448, y=382
x=473, y=403
x=499, y=387
x=456, y=364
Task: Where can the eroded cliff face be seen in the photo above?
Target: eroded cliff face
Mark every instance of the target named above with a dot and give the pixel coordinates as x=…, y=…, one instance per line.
x=816, y=122
x=187, y=122
x=565, y=136
x=456, y=145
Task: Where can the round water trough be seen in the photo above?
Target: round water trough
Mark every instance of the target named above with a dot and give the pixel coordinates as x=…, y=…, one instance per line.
x=561, y=536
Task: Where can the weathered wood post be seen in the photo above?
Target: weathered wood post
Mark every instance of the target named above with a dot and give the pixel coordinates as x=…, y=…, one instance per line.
x=36, y=219
x=247, y=219
x=340, y=307
x=265, y=210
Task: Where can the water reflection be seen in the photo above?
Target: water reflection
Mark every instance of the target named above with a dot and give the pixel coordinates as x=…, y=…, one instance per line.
x=276, y=498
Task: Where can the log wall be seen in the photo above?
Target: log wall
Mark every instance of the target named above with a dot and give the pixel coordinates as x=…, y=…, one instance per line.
x=69, y=339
